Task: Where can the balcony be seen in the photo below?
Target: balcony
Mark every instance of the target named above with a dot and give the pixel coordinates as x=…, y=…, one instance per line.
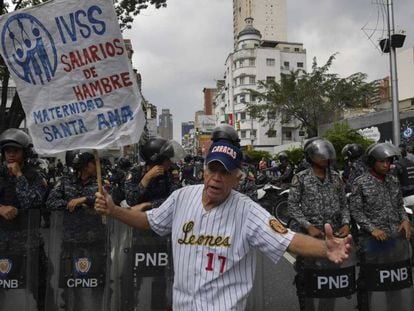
x=245, y=53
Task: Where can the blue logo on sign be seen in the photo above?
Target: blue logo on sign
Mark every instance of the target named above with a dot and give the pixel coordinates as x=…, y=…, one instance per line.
x=29, y=49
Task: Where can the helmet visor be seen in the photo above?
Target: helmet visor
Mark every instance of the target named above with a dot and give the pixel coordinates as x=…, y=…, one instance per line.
x=173, y=151
x=384, y=151
x=321, y=150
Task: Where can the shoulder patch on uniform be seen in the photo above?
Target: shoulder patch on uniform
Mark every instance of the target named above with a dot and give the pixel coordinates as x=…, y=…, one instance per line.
x=295, y=180
x=277, y=226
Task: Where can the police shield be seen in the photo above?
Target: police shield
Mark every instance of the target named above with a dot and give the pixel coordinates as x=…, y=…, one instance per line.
x=141, y=272
x=385, y=278
x=323, y=285
x=21, y=267
x=79, y=261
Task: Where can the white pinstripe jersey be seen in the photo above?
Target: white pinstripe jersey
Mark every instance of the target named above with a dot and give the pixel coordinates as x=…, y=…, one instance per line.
x=214, y=260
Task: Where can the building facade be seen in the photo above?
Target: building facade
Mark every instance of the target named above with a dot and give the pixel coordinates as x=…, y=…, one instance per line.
x=165, y=124
x=209, y=94
x=405, y=66
x=269, y=18
x=256, y=60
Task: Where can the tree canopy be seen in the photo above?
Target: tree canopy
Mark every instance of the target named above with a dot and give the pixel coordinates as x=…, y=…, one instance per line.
x=310, y=97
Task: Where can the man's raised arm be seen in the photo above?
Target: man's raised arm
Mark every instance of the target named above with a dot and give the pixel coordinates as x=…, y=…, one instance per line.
x=134, y=217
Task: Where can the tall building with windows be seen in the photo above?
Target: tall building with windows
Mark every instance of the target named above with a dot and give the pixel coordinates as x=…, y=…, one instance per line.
x=165, y=124
x=269, y=18
x=253, y=60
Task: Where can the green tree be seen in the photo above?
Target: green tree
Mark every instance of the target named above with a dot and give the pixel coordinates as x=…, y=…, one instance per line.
x=310, y=97
x=341, y=134
x=13, y=116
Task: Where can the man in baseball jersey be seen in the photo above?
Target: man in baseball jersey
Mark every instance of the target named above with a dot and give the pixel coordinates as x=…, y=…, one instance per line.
x=215, y=230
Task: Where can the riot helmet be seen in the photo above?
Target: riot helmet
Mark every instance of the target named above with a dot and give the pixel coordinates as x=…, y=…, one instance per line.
x=380, y=152
x=283, y=156
x=69, y=156
x=319, y=148
x=81, y=160
x=16, y=138
x=227, y=133
x=309, y=141
x=352, y=151
x=124, y=163
x=157, y=150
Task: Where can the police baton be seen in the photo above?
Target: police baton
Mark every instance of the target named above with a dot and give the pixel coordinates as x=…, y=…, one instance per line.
x=99, y=176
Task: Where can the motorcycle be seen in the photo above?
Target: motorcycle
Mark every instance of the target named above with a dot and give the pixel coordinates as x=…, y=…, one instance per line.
x=274, y=198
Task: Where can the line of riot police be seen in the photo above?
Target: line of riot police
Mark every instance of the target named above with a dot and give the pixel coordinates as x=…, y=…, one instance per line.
x=81, y=262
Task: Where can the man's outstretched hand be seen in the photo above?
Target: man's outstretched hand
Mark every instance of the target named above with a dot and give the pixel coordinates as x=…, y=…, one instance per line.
x=338, y=249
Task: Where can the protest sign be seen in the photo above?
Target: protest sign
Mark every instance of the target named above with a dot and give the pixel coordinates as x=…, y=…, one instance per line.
x=73, y=76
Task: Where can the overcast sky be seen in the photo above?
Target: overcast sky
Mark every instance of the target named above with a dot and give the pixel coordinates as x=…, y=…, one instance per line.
x=181, y=49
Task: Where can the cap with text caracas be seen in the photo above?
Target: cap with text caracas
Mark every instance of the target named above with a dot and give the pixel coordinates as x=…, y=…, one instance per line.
x=228, y=155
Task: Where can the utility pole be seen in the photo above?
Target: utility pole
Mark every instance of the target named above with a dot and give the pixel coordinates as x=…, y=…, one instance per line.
x=393, y=75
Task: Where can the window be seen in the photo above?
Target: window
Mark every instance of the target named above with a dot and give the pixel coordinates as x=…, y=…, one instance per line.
x=287, y=135
x=252, y=134
x=286, y=48
x=243, y=115
x=271, y=133
x=251, y=61
x=252, y=80
x=300, y=65
x=270, y=79
x=241, y=81
x=270, y=62
x=242, y=98
x=297, y=49
x=252, y=98
x=243, y=134
x=286, y=65
x=271, y=115
x=10, y=91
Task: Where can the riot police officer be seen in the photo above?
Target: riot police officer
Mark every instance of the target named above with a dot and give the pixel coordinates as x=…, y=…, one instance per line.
x=152, y=182
x=354, y=167
x=80, y=235
x=377, y=213
x=404, y=170
x=376, y=205
x=317, y=197
x=22, y=194
x=78, y=189
x=227, y=133
x=117, y=179
x=22, y=187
